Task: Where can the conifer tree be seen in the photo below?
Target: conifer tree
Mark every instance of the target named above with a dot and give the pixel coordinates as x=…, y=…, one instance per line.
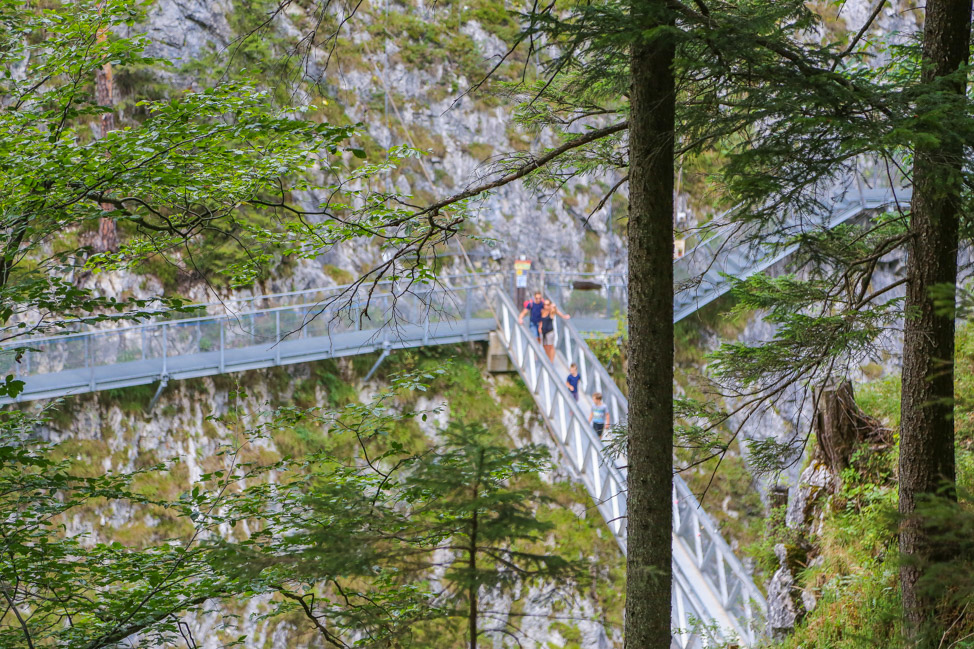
x=652, y=112
x=926, y=464
x=705, y=74
x=468, y=499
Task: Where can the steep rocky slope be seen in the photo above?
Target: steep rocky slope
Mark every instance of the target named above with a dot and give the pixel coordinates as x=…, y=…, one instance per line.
x=402, y=72
x=117, y=431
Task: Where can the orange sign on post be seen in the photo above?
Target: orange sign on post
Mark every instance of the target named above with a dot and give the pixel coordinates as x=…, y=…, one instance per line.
x=521, y=266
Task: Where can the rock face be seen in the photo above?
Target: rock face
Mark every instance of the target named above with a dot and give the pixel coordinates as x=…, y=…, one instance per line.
x=117, y=434
x=787, y=600
x=420, y=104
x=783, y=611
x=181, y=30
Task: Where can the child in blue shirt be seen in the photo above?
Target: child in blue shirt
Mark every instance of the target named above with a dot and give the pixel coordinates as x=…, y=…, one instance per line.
x=599, y=415
x=572, y=380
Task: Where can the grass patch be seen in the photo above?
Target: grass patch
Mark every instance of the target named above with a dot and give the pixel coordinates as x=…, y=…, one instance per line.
x=340, y=275
x=131, y=401
x=881, y=399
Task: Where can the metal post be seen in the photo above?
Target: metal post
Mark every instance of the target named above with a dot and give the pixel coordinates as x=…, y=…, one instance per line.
x=163, y=382
x=568, y=349
x=90, y=364
x=222, y=345
x=466, y=312
x=277, y=337
x=142, y=334
x=165, y=349
x=378, y=362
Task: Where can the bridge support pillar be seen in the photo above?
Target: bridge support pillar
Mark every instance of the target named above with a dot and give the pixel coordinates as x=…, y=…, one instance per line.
x=163, y=382
x=378, y=361
x=497, y=359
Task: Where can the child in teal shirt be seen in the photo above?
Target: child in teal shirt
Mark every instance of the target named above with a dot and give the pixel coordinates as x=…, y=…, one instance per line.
x=599, y=415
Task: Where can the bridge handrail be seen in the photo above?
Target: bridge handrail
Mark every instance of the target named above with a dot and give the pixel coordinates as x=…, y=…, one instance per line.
x=340, y=288
x=164, y=339
x=698, y=286
x=685, y=505
x=509, y=329
x=606, y=482
x=180, y=322
x=576, y=350
x=173, y=317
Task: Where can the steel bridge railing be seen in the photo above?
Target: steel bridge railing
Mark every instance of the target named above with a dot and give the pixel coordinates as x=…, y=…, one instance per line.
x=713, y=597
x=739, y=251
x=726, y=589
x=188, y=347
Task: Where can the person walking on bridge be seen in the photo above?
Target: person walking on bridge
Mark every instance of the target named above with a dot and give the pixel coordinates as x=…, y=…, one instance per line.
x=546, y=328
x=599, y=415
x=534, y=308
x=572, y=380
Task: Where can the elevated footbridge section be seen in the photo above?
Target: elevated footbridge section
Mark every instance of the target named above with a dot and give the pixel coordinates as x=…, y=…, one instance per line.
x=714, y=599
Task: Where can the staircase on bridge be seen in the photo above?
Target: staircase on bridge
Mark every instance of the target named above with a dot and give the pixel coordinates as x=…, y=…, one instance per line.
x=714, y=599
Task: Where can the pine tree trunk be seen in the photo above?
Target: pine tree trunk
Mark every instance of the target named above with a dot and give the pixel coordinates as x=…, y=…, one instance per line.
x=926, y=462
x=841, y=428
x=650, y=371
x=472, y=587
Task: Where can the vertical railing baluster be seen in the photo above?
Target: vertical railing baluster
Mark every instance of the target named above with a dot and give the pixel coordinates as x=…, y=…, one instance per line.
x=721, y=572
x=90, y=362
x=568, y=348
x=165, y=349
x=223, y=342
x=277, y=337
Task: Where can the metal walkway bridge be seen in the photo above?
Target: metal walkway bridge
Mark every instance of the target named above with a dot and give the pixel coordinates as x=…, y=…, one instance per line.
x=714, y=599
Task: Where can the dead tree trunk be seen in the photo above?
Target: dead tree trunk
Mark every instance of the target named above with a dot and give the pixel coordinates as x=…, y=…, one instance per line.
x=841, y=427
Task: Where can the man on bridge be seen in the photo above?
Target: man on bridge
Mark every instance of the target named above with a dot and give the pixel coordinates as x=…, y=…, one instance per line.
x=534, y=308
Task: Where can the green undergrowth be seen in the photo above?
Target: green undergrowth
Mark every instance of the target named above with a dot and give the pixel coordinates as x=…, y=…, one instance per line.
x=458, y=383
x=715, y=319
x=850, y=566
x=853, y=572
